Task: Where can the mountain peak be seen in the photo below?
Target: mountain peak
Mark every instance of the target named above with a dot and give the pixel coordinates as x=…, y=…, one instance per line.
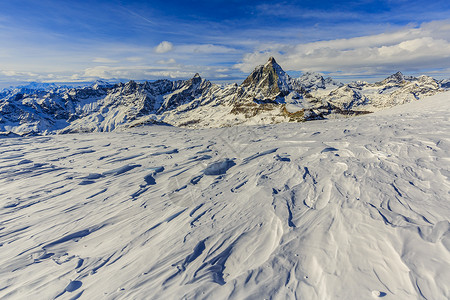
x=267, y=74
x=197, y=75
x=269, y=81
x=271, y=60
x=397, y=77
x=272, y=64
x=101, y=84
x=312, y=80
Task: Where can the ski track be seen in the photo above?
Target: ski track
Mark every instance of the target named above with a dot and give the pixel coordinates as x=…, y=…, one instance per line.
x=340, y=209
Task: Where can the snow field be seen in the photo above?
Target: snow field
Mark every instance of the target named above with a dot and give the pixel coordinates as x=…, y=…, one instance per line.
x=339, y=209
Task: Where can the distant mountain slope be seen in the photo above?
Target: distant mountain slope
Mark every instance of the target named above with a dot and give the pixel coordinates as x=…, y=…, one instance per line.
x=268, y=95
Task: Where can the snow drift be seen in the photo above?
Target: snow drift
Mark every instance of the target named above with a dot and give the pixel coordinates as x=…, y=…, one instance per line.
x=337, y=209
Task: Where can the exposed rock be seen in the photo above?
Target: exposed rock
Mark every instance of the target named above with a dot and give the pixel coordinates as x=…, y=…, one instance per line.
x=267, y=95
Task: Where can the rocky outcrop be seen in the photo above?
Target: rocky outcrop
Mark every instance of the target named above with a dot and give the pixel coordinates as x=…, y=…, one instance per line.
x=268, y=95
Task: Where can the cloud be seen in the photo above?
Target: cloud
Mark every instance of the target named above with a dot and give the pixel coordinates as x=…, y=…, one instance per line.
x=134, y=58
x=13, y=77
x=285, y=10
x=104, y=60
x=414, y=50
x=167, y=62
x=164, y=47
x=12, y=73
x=107, y=72
x=408, y=49
x=175, y=74
x=147, y=72
x=205, y=49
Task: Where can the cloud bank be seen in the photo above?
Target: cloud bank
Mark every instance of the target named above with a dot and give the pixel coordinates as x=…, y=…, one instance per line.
x=347, y=45
x=408, y=49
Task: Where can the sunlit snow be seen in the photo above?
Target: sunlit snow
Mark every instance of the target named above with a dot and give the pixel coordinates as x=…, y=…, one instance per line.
x=353, y=208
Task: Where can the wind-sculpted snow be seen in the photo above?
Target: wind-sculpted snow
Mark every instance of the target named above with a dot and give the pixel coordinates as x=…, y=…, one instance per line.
x=337, y=209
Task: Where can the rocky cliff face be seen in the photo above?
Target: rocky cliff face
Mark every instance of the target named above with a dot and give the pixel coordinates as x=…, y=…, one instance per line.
x=268, y=95
x=269, y=82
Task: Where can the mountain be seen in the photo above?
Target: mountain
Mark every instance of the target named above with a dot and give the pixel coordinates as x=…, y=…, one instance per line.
x=37, y=86
x=269, y=82
x=397, y=78
x=267, y=96
x=312, y=81
x=185, y=92
x=101, y=84
x=395, y=90
x=445, y=83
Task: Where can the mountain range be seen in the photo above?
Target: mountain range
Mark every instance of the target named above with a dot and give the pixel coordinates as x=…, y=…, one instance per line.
x=267, y=96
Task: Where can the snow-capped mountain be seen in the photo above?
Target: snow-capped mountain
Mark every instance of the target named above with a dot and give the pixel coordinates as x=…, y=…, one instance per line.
x=269, y=83
x=445, y=83
x=394, y=90
x=312, y=81
x=268, y=95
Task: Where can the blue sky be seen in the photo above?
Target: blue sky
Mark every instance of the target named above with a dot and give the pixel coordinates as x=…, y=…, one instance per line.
x=69, y=41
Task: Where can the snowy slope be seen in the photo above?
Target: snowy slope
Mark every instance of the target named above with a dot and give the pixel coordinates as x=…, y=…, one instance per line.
x=312, y=81
x=267, y=96
x=338, y=209
x=396, y=89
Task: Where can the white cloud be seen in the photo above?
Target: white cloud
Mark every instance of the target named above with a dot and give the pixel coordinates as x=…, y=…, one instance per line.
x=167, y=62
x=409, y=49
x=414, y=50
x=134, y=58
x=205, y=49
x=168, y=74
x=164, y=47
x=104, y=60
x=106, y=72
x=145, y=72
x=12, y=73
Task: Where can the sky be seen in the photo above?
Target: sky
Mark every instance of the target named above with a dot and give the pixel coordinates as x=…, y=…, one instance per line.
x=118, y=40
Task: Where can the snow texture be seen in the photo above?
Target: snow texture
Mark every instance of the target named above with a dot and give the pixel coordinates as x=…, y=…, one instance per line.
x=354, y=208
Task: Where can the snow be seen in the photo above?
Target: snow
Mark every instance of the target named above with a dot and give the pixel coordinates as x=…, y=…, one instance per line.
x=198, y=103
x=314, y=82
x=353, y=208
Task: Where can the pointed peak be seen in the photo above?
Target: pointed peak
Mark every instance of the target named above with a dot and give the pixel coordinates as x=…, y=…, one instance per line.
x=268, y=81
x=196, y=79
x=272, y=60
x=397, y=77
x=272, y=64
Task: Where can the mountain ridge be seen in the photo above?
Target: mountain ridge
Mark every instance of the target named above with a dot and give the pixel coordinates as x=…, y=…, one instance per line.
x=267, y=96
